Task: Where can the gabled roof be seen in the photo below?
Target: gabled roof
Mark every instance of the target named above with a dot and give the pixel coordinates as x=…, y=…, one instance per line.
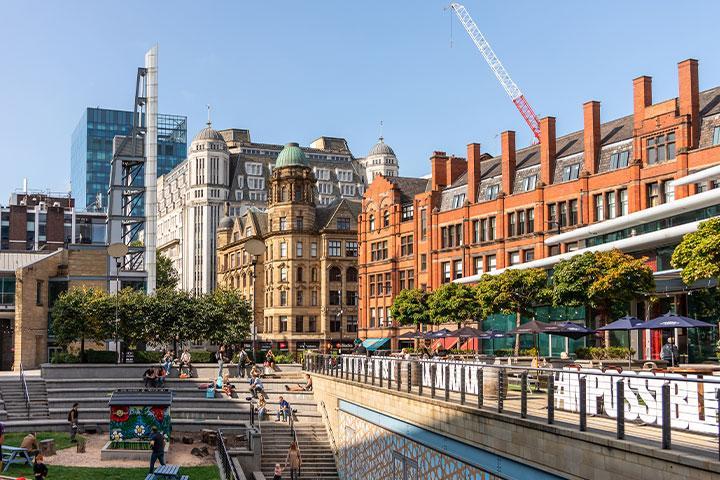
x=11, y=261
x=325, y=215
x=409, y=186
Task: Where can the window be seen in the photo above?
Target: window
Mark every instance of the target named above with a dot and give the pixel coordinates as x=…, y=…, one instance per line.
x=322, y=174
x=521, y=222
x=458, y=269
x=491, y=262
x=406, y=245
x=514, y=258
x=299, y=222
x=343, y=223
x=476, y=231
x=402, y=282
x=299, y=298
x=573, y=204
x=445, y=272
x=378, y=251
x=619, y=160
x=299, y=249
x=347, y=190
x=458, y=200
x=386, y=218
x=312, y=323
x=371, y=222
x=423, y=224
x=552, y=215
x=563, y=214
x=372, y=317
x=335, y=275
x=335, y=323
x=423, y=262
x=299, y=320
x=451, y=236
x=530, y=215
x=283, y=224
x=660, y=148
x=351, y=275
x=344, y=175
x=258, y=196
x=283, y=298
x=283, y=274
x=623, y=202
x=599, y=203
x=335, y=297
x=406, y=213
x=388, y=284
x=653, y=194
x=491, y=228
x=411, y=279
x=283, y=250
x=528, y=255
x=256, y=183
x=700, y=187
x=351, y=323
x=283, y=323
x=511, y=224
x=334, y=248
x=314, y=298
x=313, y=249
x=371, y=285
x=571, y=172
x=313, y=275
x=477, y=265
x=253, y=168
x=611, y=204
x=381, y=316
x=668, y=191
x=491, y=192
x=530, y=183
x=39, y=292
x=716, y=136
x=351, y=249
x=325, y=188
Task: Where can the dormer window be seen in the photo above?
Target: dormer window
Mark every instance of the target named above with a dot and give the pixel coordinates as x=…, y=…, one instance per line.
x=530, y=183
x=571, y=172
x=619, y=160
x=491, y=192
x=458, y=200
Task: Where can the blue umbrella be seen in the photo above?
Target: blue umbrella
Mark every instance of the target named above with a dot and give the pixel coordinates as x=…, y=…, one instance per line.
x=625, y=323
x=442, y=333
x=670, y=320
x=570, y=329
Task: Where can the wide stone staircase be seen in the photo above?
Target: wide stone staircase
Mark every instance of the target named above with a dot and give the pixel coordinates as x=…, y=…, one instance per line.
x=318, y=461
x=13, y=396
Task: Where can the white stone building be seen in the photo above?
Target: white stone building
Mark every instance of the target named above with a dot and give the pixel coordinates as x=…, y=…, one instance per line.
x=381, y=160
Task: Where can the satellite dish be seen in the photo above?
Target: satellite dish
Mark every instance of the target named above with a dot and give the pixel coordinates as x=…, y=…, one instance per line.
x=255, y=247
x=117, y=250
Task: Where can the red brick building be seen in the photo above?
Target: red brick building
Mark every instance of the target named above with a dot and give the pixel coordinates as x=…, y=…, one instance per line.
x=485, y=212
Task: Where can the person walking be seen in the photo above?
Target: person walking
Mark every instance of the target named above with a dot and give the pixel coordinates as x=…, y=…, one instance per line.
x=243, y=362
x=293, y=461
x=157, y=442
x=670, y=352
x=220, y=357
x=40, y=470
x=73, y=421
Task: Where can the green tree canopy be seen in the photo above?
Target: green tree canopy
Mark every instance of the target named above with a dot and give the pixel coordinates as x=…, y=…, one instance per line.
x=698, y=254
x=79, y=314
x=226, y=316
x=514, y=291
x=410, y=307
x=167, y=276
x=453, y=303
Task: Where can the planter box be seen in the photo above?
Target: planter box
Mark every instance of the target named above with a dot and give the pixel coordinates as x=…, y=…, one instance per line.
x=107, y=453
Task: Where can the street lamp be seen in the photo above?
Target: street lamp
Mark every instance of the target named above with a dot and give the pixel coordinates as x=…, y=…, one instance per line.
x=118, y=252
x=255, y=248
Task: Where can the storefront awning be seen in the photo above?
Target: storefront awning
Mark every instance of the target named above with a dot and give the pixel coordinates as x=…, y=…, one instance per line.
x=372, y=344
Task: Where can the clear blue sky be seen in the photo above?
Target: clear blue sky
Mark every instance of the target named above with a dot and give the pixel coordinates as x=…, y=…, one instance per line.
x=293, y=70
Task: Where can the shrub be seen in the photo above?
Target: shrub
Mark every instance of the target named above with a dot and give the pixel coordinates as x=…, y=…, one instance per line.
x=64, y=357
x=101, y=356
x=503, y=352
x=284, y=358
x=202, y=356
x=143, y=356
x=529, y=352
x=607, y=353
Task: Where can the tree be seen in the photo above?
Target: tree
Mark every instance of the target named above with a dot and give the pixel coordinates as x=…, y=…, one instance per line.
x=78, y=315
x=603, y=281
x=167, y=276
x=226, y=316
x=514, y=291
x=453, y=303
x=410, y=307
x=698, y=254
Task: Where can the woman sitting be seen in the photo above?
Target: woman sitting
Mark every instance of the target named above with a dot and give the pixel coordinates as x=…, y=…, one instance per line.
x=262, y=408
x=301, y=388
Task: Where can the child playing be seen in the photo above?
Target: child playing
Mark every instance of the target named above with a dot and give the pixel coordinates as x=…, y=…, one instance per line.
x=278, y=472
x=39, y=468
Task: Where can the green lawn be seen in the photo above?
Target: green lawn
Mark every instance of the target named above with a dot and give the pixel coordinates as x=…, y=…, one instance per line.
x=62, y=439
x=87, y=473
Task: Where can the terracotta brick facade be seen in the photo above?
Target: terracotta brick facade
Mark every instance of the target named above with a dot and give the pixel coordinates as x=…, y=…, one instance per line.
x=516, y=200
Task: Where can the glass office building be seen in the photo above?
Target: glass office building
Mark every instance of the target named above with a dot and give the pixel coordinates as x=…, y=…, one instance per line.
x=91, y=151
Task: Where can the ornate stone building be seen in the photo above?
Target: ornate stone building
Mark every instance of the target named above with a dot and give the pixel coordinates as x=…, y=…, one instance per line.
x=381, y=160
x=305, y=284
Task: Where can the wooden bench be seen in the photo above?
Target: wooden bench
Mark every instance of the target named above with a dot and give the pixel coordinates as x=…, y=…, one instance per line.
x=11, y=455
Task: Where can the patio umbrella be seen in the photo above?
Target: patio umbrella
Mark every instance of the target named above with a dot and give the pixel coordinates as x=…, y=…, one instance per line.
x=492, y=335
x=626, y=323
x=535, y=328
x=570, y=329
x=442, y=333
x=670, y=320
x=411, y=335
x=466, y=332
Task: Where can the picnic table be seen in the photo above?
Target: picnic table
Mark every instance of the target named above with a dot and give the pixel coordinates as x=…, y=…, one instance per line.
x=17, y=455
x=167, y=472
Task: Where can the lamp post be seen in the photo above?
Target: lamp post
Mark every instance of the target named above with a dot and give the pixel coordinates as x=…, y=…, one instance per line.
x=117, y=251
x=255, y=248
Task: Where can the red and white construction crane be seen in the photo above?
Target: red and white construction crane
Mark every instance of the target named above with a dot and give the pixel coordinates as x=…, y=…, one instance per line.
x=502, y=75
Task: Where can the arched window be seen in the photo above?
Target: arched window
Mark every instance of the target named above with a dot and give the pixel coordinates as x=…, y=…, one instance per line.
x=371, y=222
x=351, y=275
x=244, y=280
x=283, y=194
x=386, y=218
x=335, y=274
x=299, y=275
x=313, y=275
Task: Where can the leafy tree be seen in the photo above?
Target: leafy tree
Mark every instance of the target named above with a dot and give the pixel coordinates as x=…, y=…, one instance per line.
x=453, y=303
x=78, y=315
x=603, y=281
x=167, y=276
x=172, y=317
x=225, y=316
x=410, y=307
x=514, y=291
x=698, y=254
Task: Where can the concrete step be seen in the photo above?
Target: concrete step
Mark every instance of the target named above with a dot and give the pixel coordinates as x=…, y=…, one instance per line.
x=55, y=425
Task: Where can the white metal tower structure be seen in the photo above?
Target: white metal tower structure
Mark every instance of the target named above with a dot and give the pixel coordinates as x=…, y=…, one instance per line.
x=151, y=166
x=502, y=75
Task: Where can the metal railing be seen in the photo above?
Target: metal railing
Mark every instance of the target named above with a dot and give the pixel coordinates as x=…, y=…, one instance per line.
x=229, y=468
x=658, y=402
x=26, y=393
x=333, y=445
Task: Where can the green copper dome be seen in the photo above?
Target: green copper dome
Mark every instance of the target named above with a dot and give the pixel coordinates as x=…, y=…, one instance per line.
x=291, y=156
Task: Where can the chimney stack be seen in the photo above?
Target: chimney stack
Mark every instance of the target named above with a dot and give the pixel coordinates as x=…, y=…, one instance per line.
x=473, y=171
x=547, y=150
x=438, y=169
x=642, y=98
x=591, y=135
x=507, y=141
x=456, y=166
x=689, y=97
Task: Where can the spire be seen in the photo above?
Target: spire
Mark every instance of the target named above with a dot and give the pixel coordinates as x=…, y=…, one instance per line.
x=381, y=132
x=209, y=122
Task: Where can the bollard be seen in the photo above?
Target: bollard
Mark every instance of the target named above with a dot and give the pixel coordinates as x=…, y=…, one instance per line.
x=380, y=373
x=501, y=373
x=352, y=369
x=433, y=374
x=523, y=394
x=551, y=399
x=421, y=378
x=366, y=369
x=462, y=384
x=666, y=439
x=582, y=381
x=620, y=408
x=398, y=378
x=372, y=374
x=480, y=387
x=447, y=383
x=409, y=376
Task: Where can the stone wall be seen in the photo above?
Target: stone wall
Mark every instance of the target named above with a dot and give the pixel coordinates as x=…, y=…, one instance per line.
x=556, y=450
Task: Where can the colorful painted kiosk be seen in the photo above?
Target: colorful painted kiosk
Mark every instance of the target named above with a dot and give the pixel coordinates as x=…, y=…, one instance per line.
x=133, y=413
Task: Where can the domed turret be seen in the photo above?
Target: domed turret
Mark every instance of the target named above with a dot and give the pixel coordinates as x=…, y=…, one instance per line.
x=381, y=148
x=381, y=160
x=291, y=156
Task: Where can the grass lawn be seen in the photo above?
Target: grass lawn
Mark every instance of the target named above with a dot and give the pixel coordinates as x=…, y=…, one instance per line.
x=88, y=473
x=62, y=439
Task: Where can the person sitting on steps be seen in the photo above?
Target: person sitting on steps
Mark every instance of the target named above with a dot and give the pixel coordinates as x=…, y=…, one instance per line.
x=284, y=410
x=301, y=388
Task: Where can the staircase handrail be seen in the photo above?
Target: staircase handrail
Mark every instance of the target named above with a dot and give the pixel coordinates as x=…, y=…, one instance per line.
x=228, y=465
x=26, y=393
x=333, y=445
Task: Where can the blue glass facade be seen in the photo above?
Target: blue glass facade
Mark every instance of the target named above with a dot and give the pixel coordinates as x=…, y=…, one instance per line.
x=91, y=150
